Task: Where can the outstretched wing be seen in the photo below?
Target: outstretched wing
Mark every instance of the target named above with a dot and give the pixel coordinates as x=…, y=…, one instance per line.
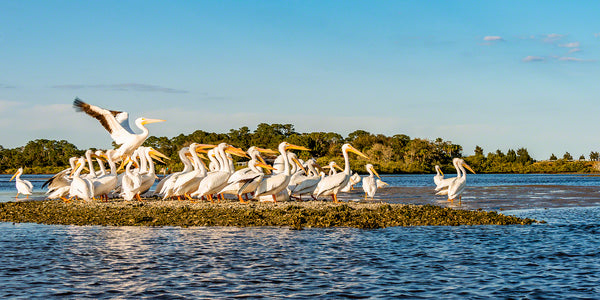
x=111, y=120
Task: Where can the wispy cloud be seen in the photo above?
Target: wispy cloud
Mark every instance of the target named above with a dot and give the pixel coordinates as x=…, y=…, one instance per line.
x=553, y=37
x=532, y=58
x=597, y=34
x=574, y=50
x=574, y=59
x=570, y=45
x=5, y=105
x=491, y=38
x=6, y=86
x=134, y=87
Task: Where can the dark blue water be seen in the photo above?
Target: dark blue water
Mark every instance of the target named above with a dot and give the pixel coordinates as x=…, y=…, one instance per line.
x=559, y=259
x=481, y=180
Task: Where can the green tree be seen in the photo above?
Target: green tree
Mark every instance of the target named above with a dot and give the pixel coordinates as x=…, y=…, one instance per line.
x=567, y=156
x=523, y=156
x=478, y=151
x=511, y=155
x=553, y=157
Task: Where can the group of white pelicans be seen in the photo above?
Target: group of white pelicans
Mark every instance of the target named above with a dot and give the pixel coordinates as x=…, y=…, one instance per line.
x=287, y=178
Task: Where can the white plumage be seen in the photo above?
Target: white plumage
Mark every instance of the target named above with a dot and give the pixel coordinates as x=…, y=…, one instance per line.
x=23, y=186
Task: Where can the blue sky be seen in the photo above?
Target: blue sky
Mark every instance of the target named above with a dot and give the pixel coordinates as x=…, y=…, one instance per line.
x=499, y=74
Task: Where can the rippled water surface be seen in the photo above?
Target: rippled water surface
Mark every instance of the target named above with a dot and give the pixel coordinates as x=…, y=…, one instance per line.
x=558, y=259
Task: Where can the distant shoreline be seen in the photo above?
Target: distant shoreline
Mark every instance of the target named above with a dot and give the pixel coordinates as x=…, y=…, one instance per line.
x=296, y=215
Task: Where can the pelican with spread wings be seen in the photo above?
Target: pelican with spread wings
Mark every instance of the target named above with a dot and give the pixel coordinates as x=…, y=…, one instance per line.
x=117, y=124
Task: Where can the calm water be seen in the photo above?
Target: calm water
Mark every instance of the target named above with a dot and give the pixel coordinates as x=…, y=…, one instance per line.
x=559, y=259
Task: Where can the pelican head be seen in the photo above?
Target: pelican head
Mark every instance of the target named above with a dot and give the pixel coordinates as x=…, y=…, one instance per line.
x=287, y=146
x=438, y=169
x=370, y=168
x=348, y=148
x=19, y=172
x=459, y=161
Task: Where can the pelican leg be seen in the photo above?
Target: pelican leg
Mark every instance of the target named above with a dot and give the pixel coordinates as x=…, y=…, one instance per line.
x=17, y=196
x=313, y=196
x=241, y=200
x=65, y=200
x=274, y=198
x=187, y=196
x=27, y=197
x=137, y=196
x=210, y=198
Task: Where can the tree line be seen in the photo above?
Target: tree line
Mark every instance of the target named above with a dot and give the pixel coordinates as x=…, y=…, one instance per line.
x=389, y=154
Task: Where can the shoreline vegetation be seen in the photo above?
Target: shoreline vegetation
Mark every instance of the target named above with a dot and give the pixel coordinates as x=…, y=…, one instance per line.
x=295, y=215
x=397, y=154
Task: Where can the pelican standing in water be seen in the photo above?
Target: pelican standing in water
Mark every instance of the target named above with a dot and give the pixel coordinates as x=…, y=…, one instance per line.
x=439, y=177
x=117, y=124
x=368, y=183
x=457, y=186
x=331, y=185
x=444, y=183
x=23, y=186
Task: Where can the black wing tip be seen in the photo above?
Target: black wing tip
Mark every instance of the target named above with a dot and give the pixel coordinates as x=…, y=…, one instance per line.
x=78, y=104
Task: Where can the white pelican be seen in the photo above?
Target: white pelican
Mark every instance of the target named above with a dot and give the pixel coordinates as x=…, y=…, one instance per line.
x=88, y=156
x=99, y=155
x=381, y=184
x=457, y=187
x=213, y=165
x=249, y=181
x=80, y=187
x=215, y=181
x=239, y=177
x=279, y=165
x=59, y=184
x=437, y=179
x=368, y=183
x=117, y=124
x=131, y=181
x=331, y=185
x=354, y=179
x=106, y=183
x=332, y=166
x=187, y=183
x=307, y=184
x=23, y=186
x=279, y=182
x=166, y=184
x=442, y=187
x=149, y=175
